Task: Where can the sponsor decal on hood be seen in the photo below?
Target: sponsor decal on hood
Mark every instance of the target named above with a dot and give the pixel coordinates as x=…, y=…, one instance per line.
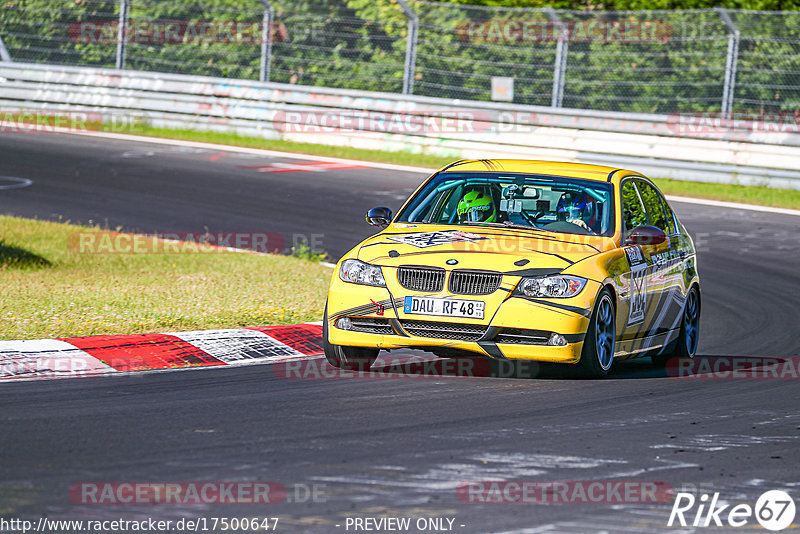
x=482, y=248
x=432, y=239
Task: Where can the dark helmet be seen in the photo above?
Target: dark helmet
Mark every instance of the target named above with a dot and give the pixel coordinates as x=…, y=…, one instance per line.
x=578, y=206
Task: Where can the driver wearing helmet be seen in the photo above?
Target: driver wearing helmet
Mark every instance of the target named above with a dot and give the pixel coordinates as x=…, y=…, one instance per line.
x=579, y=209
x=477, y=205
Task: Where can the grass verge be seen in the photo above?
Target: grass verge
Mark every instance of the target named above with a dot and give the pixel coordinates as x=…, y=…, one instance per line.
x=762, y=196
x=765, y=196
x=52, y=290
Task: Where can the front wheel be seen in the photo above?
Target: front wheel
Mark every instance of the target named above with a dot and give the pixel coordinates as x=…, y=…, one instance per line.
x=688, y=338
x=350, y=358
x=598, y=347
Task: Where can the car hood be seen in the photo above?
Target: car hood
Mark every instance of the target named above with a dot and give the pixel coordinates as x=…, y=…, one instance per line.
x=509, y=250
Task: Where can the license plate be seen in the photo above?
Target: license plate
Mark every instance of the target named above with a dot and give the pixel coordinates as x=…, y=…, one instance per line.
x=472, y=309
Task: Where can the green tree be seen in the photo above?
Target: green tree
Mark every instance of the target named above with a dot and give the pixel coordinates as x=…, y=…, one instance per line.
x=52, y=31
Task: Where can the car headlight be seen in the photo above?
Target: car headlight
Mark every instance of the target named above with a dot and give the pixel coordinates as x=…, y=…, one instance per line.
x=558, y=286
x=358, y=272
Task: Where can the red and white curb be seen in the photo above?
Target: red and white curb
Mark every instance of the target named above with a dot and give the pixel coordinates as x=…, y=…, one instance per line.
x=80, y=357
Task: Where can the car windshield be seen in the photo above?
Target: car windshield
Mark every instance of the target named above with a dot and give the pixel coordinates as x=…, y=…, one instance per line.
x=553, y=203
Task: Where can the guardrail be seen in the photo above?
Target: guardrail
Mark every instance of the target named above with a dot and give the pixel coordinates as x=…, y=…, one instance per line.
x=688, y=147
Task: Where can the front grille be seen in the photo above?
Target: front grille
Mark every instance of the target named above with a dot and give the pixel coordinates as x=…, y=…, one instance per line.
x=434, y=329
x=421, y=278
x=474, y=282
x=371, y=325
x=522, y=336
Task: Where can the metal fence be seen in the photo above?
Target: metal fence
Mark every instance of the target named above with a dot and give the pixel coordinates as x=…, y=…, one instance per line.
x=717, y=60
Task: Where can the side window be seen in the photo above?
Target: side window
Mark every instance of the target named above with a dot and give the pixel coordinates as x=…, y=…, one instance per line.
x=632, y=210
x=670, y=216
x=653, y=207
x=447, y=216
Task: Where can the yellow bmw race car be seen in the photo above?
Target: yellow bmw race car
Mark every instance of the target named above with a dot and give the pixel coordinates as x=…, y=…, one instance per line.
x=522, y=260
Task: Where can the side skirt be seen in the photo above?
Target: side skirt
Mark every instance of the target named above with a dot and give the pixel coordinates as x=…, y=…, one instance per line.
x=640, y=347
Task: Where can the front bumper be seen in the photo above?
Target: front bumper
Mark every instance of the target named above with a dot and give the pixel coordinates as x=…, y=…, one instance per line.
x=530, y=322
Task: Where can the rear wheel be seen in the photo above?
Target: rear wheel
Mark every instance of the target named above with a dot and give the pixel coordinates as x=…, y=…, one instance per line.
x=688, y=338
x=598, y=347
x=351, y=358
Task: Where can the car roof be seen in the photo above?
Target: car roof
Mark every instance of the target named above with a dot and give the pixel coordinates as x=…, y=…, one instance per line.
x=558, y=168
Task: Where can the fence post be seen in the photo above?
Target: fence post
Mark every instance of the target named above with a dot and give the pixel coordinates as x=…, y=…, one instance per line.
x=730, y=62
x=266, y=41
x=411, y=48
x=4, y=55
x=560, y=67
x=122, y=33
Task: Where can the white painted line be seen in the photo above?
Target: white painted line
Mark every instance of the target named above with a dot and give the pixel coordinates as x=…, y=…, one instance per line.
x=733, y=205
x=376, y=165
x=15, y=182
x=279, y=165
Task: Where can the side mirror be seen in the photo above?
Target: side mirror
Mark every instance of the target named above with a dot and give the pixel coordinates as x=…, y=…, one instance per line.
x=380, y=217
x=646, y=235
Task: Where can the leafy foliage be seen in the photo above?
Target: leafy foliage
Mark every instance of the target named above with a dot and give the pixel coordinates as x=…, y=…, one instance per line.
x=670, y=61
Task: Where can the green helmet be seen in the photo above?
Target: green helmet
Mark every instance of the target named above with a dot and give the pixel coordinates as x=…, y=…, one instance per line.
x=476, y=206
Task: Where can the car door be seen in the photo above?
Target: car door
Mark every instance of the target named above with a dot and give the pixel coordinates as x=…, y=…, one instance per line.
x=664, y=279
x=634, y=283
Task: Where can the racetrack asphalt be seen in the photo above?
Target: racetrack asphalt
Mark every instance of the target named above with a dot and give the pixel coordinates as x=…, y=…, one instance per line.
x=396, y=447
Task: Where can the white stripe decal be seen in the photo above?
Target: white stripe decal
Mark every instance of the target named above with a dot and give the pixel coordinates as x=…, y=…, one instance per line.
x=47, y=358
x=239, y=345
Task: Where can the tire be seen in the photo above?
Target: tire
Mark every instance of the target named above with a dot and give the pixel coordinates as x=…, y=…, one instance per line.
x=341, y=357
x=598, y=347
x=689, y=337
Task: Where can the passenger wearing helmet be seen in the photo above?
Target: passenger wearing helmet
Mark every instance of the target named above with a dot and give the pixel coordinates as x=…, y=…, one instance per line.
x=477, y=205
x=579, y=209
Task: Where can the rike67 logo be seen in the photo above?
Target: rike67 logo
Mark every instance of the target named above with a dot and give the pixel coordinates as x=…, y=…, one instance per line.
x=774, y=510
